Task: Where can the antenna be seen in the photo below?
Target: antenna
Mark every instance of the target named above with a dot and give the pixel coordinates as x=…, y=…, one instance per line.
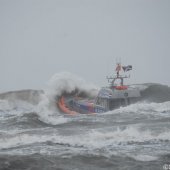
x=118, y=60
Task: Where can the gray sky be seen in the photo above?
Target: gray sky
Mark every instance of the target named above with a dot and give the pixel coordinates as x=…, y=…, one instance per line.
x=39, y=38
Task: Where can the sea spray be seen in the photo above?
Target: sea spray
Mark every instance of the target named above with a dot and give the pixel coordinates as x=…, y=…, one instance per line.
x=67, y=82
x=60, y=83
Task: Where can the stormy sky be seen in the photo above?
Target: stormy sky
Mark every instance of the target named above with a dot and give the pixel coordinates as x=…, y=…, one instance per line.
x=39, y=38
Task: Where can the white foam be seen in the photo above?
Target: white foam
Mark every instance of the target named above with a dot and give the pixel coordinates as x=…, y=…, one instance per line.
x=20, y=139
x=118, y=136
x=67, y=82
x=144, y=108
x=144, y=158
x=48, y=113
x=4, y=105
x=111, y=142
x=17, y=107
x=46, y=110
x=97, y=139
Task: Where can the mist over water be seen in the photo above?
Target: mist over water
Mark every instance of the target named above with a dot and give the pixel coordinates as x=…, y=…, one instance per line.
x=34, y=134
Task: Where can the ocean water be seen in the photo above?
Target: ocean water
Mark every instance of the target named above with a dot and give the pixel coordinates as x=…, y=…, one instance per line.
x=35, y=135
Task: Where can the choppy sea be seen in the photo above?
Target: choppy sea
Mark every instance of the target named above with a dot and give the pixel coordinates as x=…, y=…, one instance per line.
x=35, y=135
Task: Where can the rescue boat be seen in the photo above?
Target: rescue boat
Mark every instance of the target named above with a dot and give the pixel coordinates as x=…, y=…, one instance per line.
x=109, y=98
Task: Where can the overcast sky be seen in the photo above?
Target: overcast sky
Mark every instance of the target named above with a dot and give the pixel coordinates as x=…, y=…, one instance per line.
x=39, y=38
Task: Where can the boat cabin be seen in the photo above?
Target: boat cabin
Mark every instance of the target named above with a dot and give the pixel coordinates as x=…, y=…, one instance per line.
x=117, y=94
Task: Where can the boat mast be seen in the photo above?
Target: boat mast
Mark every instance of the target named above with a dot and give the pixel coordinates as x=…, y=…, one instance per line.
x=112, y=79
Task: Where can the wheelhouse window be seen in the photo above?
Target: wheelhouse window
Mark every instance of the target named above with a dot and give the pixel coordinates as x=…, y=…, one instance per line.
x=104, y=102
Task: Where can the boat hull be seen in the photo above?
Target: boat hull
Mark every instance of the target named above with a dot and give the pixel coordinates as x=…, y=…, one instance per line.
x=75, y=105
x=107, y=99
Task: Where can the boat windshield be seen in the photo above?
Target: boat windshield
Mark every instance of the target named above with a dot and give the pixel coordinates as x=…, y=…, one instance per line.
x=118, y=82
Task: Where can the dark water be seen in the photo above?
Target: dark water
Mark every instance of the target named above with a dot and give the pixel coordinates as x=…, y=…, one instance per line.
x=34, y=135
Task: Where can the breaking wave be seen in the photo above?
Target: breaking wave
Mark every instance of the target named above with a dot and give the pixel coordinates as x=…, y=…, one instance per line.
x=156, y=93
x=145, y=108
x=96, y=141
x=60, y=83
x=31, y=123
x=44, y=102
x=155, y=98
